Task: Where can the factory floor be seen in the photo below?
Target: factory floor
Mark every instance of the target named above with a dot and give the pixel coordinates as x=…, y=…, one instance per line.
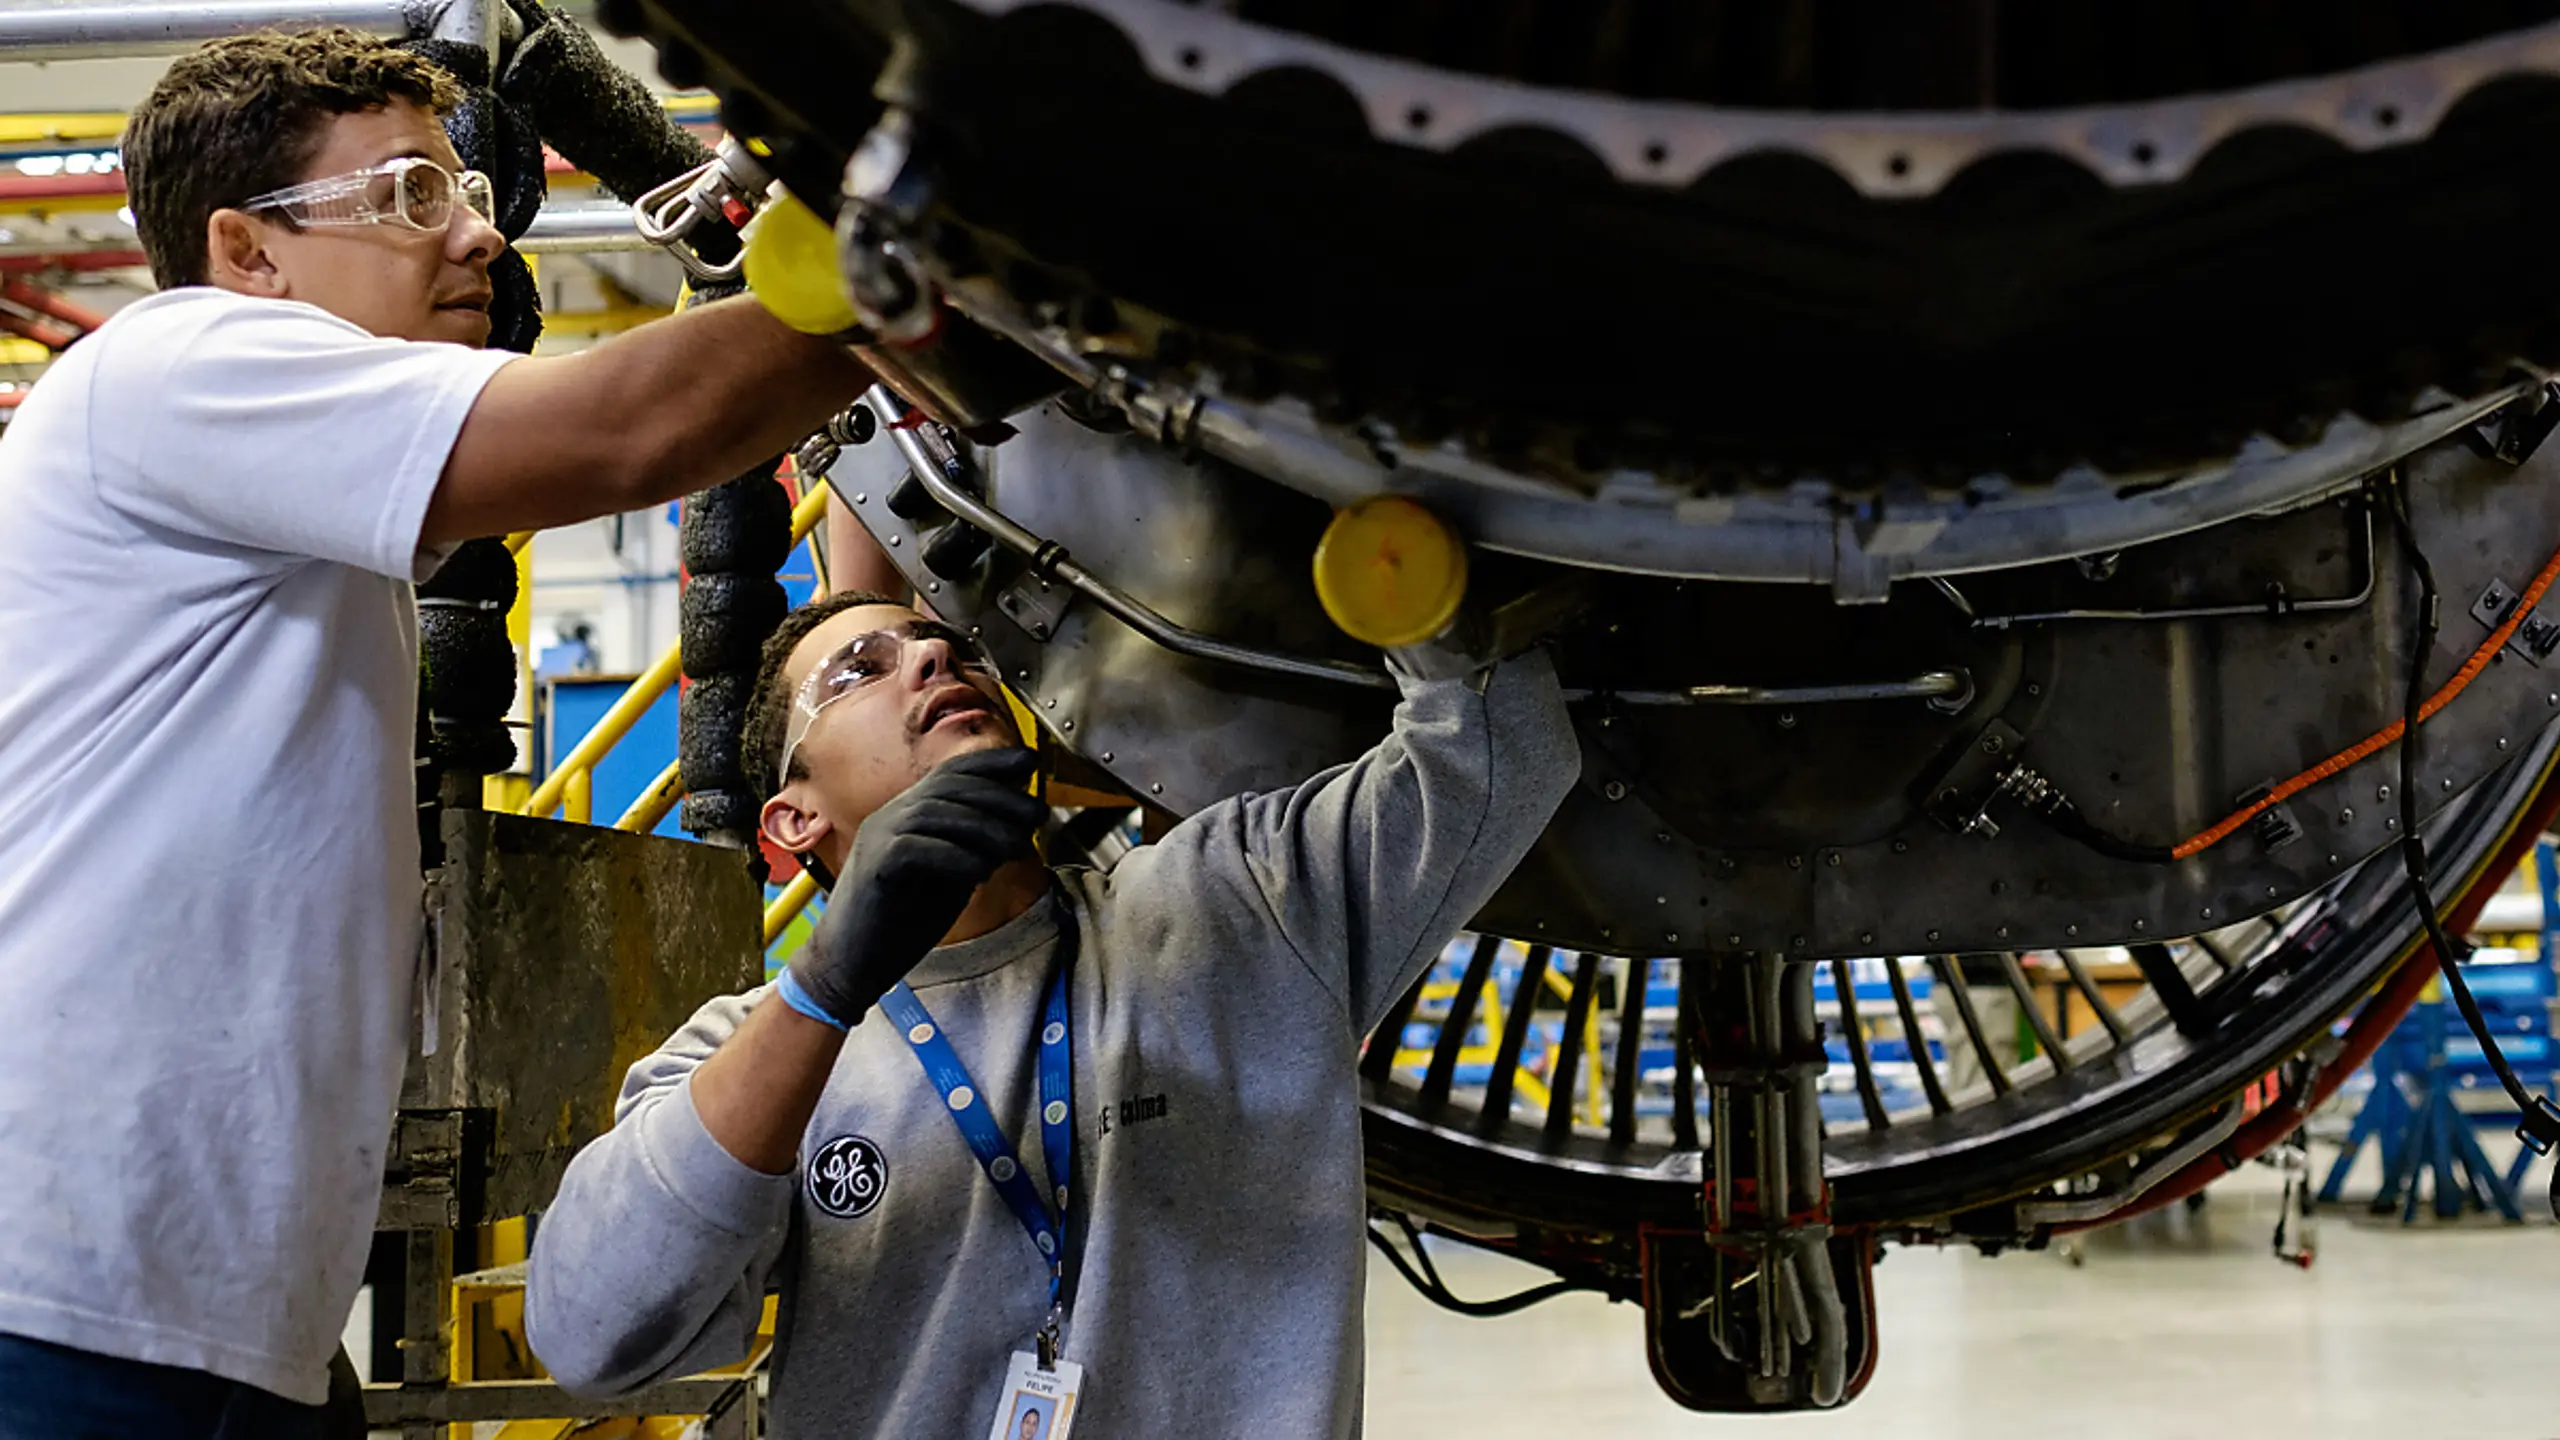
x=2178, y=1325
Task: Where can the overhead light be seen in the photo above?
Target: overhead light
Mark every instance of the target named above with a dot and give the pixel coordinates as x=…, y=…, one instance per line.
x=41, y=166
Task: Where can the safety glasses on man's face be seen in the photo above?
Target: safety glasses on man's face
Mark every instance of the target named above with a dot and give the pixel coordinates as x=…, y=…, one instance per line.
x=411, y=191
x=871, y=656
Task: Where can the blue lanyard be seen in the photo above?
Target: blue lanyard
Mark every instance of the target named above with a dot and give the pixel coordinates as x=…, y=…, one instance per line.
x=971, y=1112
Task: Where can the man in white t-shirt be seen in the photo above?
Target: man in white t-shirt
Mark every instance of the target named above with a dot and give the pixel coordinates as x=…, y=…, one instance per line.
x=211, y=513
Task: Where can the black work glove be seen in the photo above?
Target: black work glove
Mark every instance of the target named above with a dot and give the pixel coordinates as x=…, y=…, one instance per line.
x=910, y=873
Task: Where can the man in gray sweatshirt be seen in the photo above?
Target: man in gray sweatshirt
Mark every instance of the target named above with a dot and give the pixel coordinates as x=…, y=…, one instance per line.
x=1195, y=1202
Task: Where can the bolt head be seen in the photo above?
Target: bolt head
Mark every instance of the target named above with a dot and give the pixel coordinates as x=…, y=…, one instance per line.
x=1670, y=937
x=1155, y=787
x=1866, y=937
x=2208, y=912
x=1615, y=790
x=2001, y=934
x=1832, y=859
x=1991, y=745
x=2071, y=930
x=1933, y=934
x=1733, y=940
x=1796, y=943
x=1106, y=757
x=1901, y=847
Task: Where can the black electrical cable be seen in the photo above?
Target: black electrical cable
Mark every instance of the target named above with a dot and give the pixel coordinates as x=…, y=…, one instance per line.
x=2539, y=1127
x=1431, y=1287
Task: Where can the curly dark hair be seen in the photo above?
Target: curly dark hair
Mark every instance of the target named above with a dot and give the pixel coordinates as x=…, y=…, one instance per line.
x=242, y=116
x=769, y=709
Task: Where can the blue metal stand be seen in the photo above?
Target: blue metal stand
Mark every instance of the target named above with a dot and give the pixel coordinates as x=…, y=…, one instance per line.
x=2429, y=1059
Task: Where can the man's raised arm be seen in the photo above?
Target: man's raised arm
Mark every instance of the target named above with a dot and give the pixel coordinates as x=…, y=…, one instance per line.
x=663, y=410
x=1369, y=868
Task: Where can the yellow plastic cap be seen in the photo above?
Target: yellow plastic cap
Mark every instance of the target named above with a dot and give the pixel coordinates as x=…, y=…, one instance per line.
x=1389, y=573
x=791, y=267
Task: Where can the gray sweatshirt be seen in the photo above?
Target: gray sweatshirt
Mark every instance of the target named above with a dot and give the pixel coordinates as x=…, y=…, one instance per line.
x=1225, y=977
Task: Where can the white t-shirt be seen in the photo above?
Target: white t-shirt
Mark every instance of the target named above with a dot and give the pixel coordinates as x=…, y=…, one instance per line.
x=209, y=888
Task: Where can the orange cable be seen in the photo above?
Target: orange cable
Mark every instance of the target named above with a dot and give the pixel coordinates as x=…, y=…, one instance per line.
x=2386, y=735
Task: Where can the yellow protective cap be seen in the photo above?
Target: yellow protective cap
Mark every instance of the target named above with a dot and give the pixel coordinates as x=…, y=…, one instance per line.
x=791, y=267
x=1389, y=573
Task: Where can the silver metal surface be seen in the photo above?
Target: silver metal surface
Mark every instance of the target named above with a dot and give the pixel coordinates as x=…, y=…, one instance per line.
x=1703, y=828
x=77, y=30
x=1636, y=521
x=1051, y=561
x=1668, y=144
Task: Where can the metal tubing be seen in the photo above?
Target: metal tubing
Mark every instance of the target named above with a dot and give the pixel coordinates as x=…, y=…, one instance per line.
x=2098, y=1005
x=1461, y=1018
x=1050, y=560
x=1684, y=1062
x=1564, y=1077
x=2353, y=599
x=1947, y=689
x=1515, y=1033
x=1870, y=1098
x=1912, y=1036
x=1944, y=969
x=580, y=228
x=1629, y=1059
x=84, y=31
x=2016, y=977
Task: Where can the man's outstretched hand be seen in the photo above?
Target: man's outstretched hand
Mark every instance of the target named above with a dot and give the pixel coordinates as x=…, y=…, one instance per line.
x=913, y=866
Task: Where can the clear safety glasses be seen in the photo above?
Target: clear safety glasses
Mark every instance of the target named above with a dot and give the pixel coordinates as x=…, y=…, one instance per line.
x=412, y=192
x=871, y=656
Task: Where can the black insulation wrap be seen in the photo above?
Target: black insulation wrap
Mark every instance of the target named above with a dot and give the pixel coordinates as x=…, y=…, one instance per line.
x=709, y=725
x=482, y=570
x=742, y=525
x=723, y=617
x=600, y=117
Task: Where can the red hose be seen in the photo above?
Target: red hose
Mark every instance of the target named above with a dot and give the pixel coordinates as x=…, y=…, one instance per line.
x=2373, y=1024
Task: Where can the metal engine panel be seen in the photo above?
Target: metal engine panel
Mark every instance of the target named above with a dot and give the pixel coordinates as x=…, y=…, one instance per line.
x=1812, y=829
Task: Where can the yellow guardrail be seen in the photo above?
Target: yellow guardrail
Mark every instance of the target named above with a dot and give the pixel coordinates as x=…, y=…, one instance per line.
x=786, y=907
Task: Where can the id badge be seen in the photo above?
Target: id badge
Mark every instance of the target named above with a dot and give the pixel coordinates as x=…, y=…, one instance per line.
x=1038, y=1404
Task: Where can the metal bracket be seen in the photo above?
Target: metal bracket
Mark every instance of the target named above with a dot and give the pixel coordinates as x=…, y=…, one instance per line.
x=2495, y=604
x=1962, y=796
x=2276, y=826
x=1035, y=604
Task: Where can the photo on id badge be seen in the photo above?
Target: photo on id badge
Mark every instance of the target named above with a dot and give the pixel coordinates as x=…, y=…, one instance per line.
x=1038, y=1404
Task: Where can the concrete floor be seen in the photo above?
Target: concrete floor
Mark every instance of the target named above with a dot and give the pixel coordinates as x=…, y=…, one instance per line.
x=2174, y=1327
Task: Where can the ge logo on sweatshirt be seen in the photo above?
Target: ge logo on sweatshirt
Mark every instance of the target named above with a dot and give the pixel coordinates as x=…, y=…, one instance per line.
x=847, y=1177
